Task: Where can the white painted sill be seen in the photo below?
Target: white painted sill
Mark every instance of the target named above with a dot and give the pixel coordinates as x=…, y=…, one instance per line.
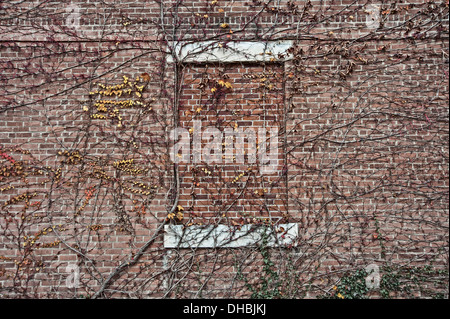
x=224, y=236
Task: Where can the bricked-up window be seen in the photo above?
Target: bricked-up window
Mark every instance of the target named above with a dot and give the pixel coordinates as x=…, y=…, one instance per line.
x=241, y=105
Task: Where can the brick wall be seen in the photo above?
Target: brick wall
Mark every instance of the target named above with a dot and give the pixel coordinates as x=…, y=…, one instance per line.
x=87, y=105
x=232, y=99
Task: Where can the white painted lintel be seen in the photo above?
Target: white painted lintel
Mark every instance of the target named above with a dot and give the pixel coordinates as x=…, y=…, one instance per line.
x=236, y=51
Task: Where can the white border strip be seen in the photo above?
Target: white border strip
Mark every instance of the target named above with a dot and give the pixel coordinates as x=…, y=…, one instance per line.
x=236, y=51
x=224, y=236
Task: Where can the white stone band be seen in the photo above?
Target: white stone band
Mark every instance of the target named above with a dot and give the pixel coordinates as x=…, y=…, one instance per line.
x=222, y=236
x=236, y=51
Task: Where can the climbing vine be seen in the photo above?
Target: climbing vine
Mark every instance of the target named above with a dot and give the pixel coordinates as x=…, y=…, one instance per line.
x=89, y=96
